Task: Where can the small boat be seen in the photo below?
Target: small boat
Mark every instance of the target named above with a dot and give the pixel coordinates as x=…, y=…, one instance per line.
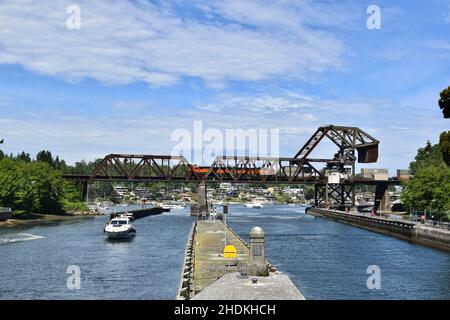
x=165, y=207
x=255, y=205
x=120, y=228
x=177, y=206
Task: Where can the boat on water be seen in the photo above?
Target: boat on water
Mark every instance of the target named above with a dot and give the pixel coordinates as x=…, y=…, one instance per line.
x=254, y=205
x=164, y=207
x=177, y=206
x=120, y=228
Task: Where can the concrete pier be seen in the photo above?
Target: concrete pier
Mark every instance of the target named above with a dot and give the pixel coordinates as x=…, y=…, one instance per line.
x=139, y=213
x=207, y=274
x=410, y=231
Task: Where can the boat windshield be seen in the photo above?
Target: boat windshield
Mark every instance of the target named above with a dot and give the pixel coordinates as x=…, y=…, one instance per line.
x=118, y=222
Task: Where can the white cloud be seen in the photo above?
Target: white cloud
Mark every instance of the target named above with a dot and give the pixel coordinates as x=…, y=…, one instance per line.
x=291, y=103
x=297, y=116
x=124, y=42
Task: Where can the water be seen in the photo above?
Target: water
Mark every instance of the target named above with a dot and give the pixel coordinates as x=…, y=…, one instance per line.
x=146, y=267
x=329, y=260
x=325, y=259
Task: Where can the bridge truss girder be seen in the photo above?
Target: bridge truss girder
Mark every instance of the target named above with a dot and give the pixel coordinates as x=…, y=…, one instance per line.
x=142, y=167
x=301, y=169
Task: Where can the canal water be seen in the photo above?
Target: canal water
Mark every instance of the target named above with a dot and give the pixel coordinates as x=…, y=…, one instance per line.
x=325, y=259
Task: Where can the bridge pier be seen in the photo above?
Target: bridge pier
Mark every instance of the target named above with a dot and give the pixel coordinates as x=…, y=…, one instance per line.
x=334, y=195
x=201, y=208
x=88, y=192
x=382, y=199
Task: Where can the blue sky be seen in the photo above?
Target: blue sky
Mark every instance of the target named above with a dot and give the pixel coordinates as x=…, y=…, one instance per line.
x=138, y=70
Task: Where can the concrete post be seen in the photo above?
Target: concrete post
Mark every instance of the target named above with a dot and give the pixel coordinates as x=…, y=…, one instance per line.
x=257, y=260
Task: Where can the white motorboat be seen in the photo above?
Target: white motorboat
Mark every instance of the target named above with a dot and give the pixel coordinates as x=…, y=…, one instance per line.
x=120, y=228
x=255, y=205
x=177, y=206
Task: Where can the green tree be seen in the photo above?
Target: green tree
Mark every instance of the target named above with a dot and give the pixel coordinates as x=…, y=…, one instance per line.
x=429, y=189
x=24, y=157
x=36, y=187
x=309, y=192
x=444, y=145
x=429, y=155
x=45, y=156
x=444, y=102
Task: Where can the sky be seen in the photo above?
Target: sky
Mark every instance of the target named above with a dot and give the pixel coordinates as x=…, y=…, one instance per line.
x=136, y=71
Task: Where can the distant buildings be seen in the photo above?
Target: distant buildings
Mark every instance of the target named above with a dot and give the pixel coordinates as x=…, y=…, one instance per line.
x=376, y=174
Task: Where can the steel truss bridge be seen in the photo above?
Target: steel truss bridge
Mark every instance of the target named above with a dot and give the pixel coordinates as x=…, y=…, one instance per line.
x=353, y=145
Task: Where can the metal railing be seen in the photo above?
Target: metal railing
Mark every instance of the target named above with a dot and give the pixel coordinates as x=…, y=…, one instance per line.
x=425, y=217
x=438, y=224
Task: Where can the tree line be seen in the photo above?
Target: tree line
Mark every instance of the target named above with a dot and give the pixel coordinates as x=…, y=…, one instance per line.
x=30, y=185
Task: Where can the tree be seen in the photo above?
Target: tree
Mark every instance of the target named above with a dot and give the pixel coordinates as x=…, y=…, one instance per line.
x=429, y=189
x=45, y=156
x=444, y=102
x=24, y=157
x=429, y=155
x=444, y=145
x=309, y=192
x=36, y=187
x=430, y=186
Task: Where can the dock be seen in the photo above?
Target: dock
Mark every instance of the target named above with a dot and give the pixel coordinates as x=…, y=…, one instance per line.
x=139, y=213
x=208, y=275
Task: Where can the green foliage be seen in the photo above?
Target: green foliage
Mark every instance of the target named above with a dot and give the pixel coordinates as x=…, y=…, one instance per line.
x=429, y=189
x=430, y=155
x=45, y=156
x=24, y=157
x=444, y=145
x=35, y=187
x=282, y=198
x=309, y=192
x=444, y=102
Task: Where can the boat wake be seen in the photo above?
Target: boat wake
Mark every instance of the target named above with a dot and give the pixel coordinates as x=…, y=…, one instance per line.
x=17, y=237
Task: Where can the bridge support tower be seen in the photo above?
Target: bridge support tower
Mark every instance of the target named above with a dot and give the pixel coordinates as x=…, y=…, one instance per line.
x=201, y=208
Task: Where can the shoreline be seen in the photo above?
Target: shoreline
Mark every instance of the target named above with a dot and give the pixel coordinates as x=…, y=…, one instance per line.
x=43, y=219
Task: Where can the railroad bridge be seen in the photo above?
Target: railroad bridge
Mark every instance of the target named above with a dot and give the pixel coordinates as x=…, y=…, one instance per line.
x=334, y=177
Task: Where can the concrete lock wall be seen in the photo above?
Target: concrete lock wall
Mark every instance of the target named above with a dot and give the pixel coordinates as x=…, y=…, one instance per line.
x=433, y=237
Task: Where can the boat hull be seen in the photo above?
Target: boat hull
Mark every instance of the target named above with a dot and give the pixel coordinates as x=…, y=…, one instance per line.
x=120, y=234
